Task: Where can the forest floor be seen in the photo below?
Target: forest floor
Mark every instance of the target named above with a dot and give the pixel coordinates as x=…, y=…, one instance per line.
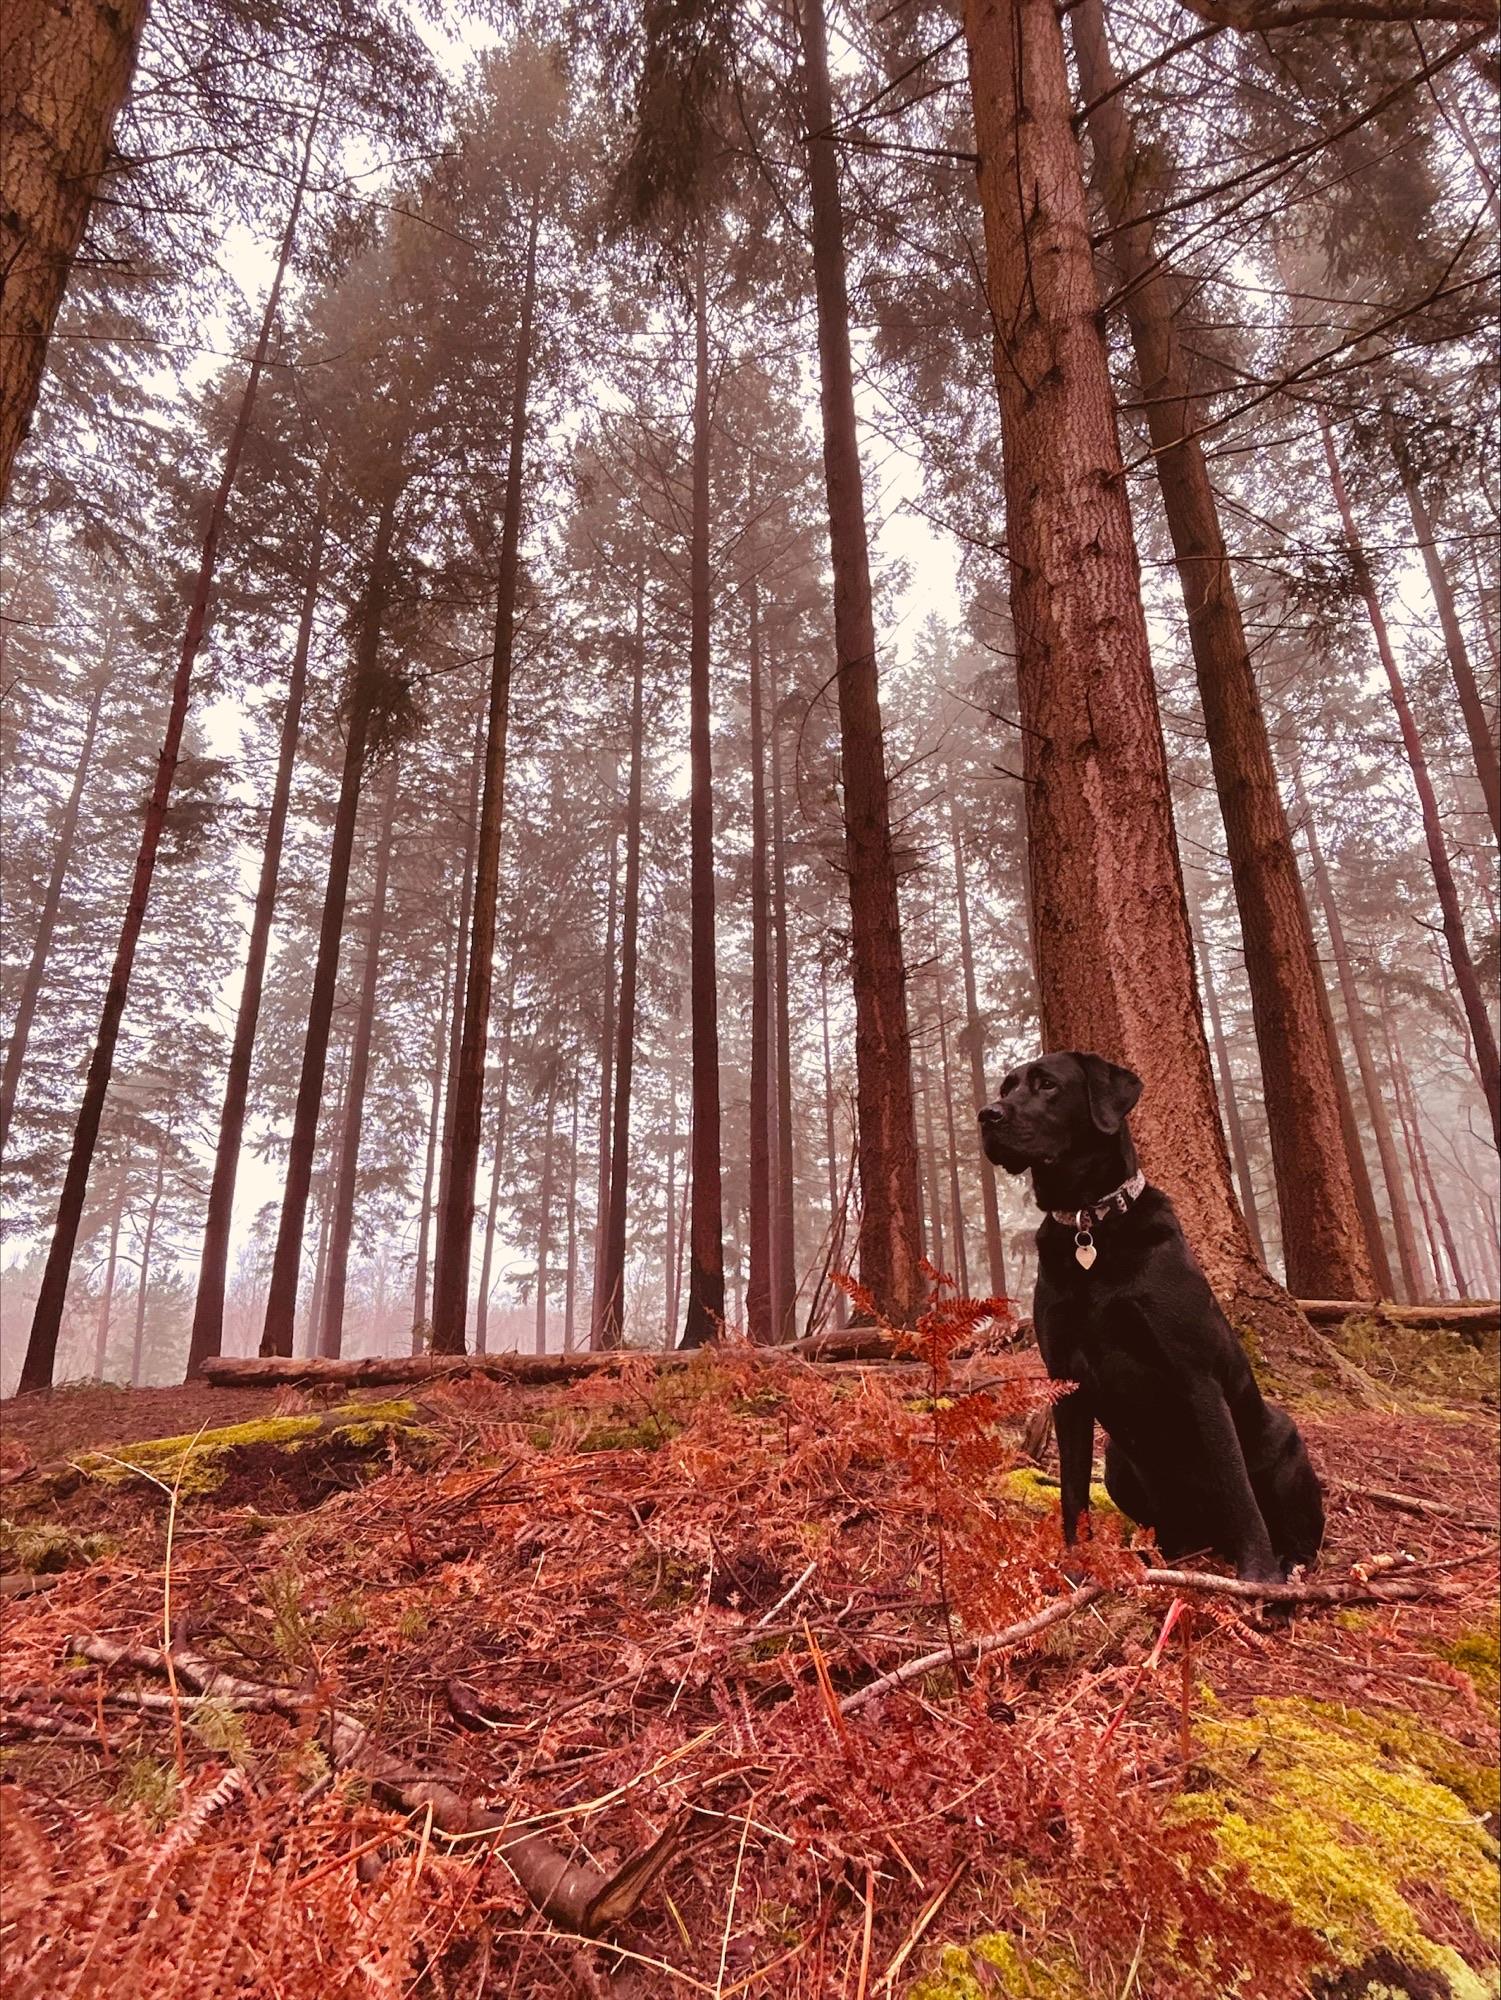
x=535, y=1692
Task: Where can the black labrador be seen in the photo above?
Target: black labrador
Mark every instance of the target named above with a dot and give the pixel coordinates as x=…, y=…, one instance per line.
x=1194, y=1451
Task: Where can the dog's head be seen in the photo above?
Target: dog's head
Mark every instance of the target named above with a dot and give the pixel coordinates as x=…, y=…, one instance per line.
x=1056, y=1109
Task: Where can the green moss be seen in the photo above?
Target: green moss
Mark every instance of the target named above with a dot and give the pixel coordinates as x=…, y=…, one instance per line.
x=1401, y=1738
x=1420, y=1368
x=149, y=1786
x=1478, y=1653
x=47, y=1546
x=1029, y=1487
x=1333, y=1812
x=1046, y=1977
x=196, y=1464
x=649, y=1433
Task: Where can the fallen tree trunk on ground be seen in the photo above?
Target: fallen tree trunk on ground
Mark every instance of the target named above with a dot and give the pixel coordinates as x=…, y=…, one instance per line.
x=1453, y=1316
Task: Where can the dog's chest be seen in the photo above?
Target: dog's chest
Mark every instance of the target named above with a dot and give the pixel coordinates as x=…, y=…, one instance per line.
x=1105, y=1343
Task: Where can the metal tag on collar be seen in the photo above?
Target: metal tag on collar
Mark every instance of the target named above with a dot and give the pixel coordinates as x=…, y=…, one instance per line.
x=1084, y=1250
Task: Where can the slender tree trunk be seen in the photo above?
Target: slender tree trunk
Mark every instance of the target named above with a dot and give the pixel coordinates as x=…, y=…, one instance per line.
x=831, y=1142
x=705, y=1315
x=759, y=1305
x=331, y=1326
x=1360, y=1041
x=1115, y=962
x=456, y=1216
x=681, y=1253
x=492, y=1207
x=544, y=1226
x=148, y=1244
x=65, y=72
x=956, y=1203
x=605, y=1123
x=1473, y=999
x=1435, y=1215
x=62, y=859
x=784, y=1283
x=669, y=1238
x=435, y=1112
x=213, y=1264
x=608, y=1329
x=461, y=965
x=890, y=1225
x=937, y=1255
x=1234, y=1122
x=1323, y=1241
x=570, y=1289
x=973, y=1039
x=36, y=1371
x=1478, y=723
x=320, y=1272
x=106, y=1304
x=281, y=1296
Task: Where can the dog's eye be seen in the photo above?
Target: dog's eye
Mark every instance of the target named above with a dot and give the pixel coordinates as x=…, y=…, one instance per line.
x=1046, y=1084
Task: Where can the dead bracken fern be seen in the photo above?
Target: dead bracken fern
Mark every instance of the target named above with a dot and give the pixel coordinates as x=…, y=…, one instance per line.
x=681, y=1684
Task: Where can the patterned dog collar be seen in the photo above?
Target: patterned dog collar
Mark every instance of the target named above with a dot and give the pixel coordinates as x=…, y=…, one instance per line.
x=1115, y=1203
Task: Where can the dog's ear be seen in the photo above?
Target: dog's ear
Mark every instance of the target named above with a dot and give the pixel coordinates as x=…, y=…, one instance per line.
x=1113, y=1091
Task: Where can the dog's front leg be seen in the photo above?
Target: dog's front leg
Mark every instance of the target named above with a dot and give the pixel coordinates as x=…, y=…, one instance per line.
x=1255, y=1561
x=1073, y=1424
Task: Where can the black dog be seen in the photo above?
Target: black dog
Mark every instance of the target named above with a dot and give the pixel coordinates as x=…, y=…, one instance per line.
x=1123, y=1310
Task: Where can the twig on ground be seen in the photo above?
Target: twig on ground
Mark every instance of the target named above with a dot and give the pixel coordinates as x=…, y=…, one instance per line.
x=1414, y=1503
x=785, y=1599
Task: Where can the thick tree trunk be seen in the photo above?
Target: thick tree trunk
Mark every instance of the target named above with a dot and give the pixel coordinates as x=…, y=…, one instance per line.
x=492, y=1207
x=1235, y=1124
x=456, y=1215
x=330, y=1330
x=1482, y=1035
x=36, y=1371
x=461, y=965
x=62, y=859
x=1478, y=723
x=956, y=1202
x=1360, y=1041
x=890, y=1222
x=1323, y=1240
x=759, y=1303
x=148, y=1245
x=213, y=1263
x=435, y=1112
x=973, y=1039
x=608, y=1329
x=784, y=1270
x=544, y=1225
x=64, y=75
x=1115, y=963
x=705, y=1314
x=281, y=1297
x=106, y=1304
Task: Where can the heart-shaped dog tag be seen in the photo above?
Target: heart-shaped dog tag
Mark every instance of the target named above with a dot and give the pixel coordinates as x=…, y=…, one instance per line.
x=1086, y=1253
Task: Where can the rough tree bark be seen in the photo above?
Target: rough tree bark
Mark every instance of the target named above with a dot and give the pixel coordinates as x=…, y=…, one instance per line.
x=608, y=1330
x=1115, y=963
x=281, y=1296
x=973, y=1039
x=1478, y=723
x=456, y=1215
x=1466, y=978
x=36, y=1370
x=784, y=1274
x=330, y=1329
x=213, y=1263
x=890, y=1223
x=62, y=858
x=64, y=75
x=759, y=1305
x=1386, y=1146
x=1324, y=1247
x=705, y=1314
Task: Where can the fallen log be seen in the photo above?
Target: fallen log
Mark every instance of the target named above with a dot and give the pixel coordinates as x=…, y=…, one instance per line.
x=378, y=1371
x=1465, y=1317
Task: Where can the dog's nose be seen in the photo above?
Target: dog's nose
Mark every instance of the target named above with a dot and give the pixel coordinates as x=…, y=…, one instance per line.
x=991, y=1114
